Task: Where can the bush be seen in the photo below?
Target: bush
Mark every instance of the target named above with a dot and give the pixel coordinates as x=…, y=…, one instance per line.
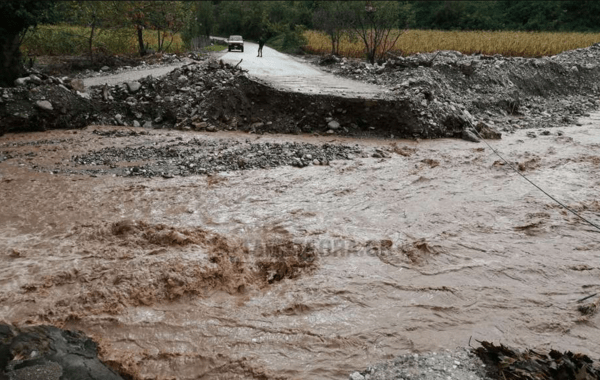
x=290, y=41
x=294, y=40
x=73, y=40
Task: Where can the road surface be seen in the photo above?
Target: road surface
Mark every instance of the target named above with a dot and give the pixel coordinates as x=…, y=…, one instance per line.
x=284, y=72
x=279, y=70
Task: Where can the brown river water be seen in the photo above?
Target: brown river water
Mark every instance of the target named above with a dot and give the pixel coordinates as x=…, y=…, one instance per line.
x=414, y=253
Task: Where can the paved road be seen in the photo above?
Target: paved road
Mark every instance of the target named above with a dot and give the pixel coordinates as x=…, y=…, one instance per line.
x=285, y=72
x=275, y=68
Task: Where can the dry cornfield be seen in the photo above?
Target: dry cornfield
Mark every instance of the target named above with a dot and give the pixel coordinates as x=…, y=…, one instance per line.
x=522, y=44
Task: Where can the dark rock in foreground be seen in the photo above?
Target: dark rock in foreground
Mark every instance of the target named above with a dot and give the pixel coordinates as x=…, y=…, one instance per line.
x=49, y=353
x=511, y=364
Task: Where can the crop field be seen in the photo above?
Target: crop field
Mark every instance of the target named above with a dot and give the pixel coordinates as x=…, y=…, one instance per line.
x=74, y=40
x=522, y=44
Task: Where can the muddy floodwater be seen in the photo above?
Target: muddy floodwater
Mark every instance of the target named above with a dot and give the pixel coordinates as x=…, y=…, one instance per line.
x=420, y=251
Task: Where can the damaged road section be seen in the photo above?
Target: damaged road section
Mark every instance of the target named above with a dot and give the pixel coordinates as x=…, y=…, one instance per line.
x=443, y=94
x=508, y=93
x=209, y=96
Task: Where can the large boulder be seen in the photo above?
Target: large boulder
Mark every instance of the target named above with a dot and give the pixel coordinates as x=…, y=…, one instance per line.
x=49, y=353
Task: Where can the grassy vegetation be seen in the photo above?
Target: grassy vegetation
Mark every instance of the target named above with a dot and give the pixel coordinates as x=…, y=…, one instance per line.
x=215, y=47
x=522, y=44
x=73, y=40
x=287, y=42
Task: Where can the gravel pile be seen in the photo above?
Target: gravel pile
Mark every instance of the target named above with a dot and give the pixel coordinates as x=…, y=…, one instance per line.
x=460, y=364
x=179, y=158
x=536, y=92
x=159, y=60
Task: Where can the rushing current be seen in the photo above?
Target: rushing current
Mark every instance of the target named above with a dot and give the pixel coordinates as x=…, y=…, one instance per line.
x=305, y=273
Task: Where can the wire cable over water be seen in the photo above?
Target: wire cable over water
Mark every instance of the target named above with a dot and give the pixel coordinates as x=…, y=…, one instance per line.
x=539, y=188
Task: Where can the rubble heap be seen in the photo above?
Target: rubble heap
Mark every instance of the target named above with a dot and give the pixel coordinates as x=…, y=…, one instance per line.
x=512, y=364
x=512, y=92
x=443, y=94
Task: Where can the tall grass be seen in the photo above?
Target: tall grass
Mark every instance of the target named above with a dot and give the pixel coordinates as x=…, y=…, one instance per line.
x=73, y=40
x=522, y=44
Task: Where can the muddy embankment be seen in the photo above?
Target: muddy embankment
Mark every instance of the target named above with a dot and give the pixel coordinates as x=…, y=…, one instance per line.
x=430, y=95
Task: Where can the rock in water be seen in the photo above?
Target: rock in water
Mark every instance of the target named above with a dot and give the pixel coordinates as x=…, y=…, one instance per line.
x=487, y=132
x=469, y=135
x=49, y=353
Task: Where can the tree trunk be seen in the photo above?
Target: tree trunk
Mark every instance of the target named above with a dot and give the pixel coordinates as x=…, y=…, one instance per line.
x=332, y=44
x=92, y=40
x=11, y=66
x=168, y=46
x=371, y=56
x=140, y=34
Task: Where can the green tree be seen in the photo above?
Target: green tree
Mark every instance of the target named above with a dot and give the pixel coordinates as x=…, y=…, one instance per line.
x=375, y=23
x=205, y=17
x=255, y=19
x=530, y=15
x=332, y=18
x=230, y=16
x=16, y=17
x=167, y=18
x=580, y=15
x=91, y=14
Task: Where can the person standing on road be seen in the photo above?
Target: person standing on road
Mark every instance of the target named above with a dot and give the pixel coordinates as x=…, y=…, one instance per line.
x=261, y=43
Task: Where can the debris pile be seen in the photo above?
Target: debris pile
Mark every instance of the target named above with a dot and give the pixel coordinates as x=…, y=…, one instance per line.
x=511, y=92
x=200, y=156
x=443, y=94
x=512, y=364
x=459, y=364
x=212, y=96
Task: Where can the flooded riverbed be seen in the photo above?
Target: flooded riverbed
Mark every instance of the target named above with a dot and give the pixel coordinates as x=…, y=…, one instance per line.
x=415, y=252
